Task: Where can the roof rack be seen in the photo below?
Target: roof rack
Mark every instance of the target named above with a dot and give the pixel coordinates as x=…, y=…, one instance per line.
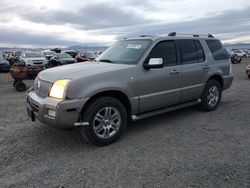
x=173, y=34
x=147, y=35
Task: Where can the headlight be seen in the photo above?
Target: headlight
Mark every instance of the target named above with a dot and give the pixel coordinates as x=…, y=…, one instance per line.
x=58, y=89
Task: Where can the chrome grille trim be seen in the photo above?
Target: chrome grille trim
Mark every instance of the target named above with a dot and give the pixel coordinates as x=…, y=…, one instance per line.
x=43, y=90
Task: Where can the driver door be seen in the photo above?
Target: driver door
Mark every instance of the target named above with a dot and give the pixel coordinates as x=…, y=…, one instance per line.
x=161, y=87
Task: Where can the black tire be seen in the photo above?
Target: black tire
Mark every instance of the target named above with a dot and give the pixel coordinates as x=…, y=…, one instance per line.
x=20, y=86
x=205, y=102
x=249, y=76
x=14, y=82
x=244, y=56
x=91, y=112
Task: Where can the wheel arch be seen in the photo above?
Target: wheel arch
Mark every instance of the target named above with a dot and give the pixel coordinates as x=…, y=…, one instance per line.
x=217, y=78
x=119, y=95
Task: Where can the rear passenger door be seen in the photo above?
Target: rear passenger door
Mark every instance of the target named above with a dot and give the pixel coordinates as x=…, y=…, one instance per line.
x=194, y=68
x=160, y=87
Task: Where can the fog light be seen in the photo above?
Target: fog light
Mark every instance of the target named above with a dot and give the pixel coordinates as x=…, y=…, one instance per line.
x=52, y=113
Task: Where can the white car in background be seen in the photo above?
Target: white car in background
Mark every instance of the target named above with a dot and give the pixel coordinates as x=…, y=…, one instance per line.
x=239, y=53
x=33, y=59
x=247, y=51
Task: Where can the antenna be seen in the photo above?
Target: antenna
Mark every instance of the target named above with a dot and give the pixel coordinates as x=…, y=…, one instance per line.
x=86, y=29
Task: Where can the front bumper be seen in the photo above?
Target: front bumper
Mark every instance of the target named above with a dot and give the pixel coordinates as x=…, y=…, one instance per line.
x=66, y=112
x=227, y=81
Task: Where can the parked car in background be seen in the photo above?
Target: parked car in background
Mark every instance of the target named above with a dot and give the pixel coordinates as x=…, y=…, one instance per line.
x=247, y=51
x=86, y=56
x=239, y=53
x=33, y=59
x=57, y=50
x=17, y=54
x=61, y=59
x=4, y=64
x=235, y=59
x=72, y=53
x=48, y=54
x=6, y=54
x=13, y=57
x=133, y=79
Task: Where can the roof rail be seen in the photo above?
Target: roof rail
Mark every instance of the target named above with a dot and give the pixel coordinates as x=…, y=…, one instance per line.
x=173, y=34
x=147, y=35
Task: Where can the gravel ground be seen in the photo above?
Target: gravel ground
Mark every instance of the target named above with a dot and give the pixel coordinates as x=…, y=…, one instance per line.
x=186, y=148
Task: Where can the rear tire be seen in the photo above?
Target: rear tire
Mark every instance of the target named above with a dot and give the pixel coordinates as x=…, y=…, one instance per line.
x=211, y=96
x=107, y=119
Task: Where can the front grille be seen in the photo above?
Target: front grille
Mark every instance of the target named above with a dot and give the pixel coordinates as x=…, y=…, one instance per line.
x=37, y=62
x=68, y=62
x=42, y=87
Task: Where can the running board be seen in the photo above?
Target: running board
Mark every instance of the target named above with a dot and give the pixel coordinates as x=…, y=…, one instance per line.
x=164, y=110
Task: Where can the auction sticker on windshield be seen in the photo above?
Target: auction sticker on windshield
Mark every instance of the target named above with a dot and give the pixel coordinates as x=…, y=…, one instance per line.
x=134, y=46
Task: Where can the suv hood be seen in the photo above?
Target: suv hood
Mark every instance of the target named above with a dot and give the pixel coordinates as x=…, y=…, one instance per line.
x=79, y=70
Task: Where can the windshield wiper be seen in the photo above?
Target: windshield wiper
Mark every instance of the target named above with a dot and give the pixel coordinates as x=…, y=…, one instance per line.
x=106, y=60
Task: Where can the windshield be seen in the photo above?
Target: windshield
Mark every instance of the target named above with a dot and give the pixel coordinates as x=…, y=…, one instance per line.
x=90, y=55
x=33, y=55
x=49, y=53
x=64, y=56
x=125, y=52
x=18, y=54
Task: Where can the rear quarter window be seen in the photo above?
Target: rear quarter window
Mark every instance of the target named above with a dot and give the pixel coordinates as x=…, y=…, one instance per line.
x=191, y=51
x=217, y=50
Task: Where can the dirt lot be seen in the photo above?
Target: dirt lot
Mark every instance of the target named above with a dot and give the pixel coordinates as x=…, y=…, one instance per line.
x=186, y=148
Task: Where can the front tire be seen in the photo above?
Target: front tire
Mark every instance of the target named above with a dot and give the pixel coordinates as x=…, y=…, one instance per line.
x=211, y=96
x=107, y=119
x=20, y=86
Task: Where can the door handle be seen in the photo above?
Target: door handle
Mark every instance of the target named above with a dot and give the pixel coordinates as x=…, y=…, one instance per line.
x=205, y=66
x=175, y=71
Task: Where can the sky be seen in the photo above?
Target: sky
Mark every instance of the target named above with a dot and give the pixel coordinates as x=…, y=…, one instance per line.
x=62, y=23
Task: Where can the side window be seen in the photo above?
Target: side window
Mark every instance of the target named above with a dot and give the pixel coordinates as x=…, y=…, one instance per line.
x=217, y=49
x=165, y=50
x=188, y=51
x=200, y=51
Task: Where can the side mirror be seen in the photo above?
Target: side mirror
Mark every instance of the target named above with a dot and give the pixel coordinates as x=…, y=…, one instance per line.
x=154, y=63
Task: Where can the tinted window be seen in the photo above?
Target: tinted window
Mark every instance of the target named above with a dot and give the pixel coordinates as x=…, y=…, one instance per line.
x=165, y=50
x=33, y=55
x=188, y=50
x=64, y=55
x=200, y=52
x=217, y=49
